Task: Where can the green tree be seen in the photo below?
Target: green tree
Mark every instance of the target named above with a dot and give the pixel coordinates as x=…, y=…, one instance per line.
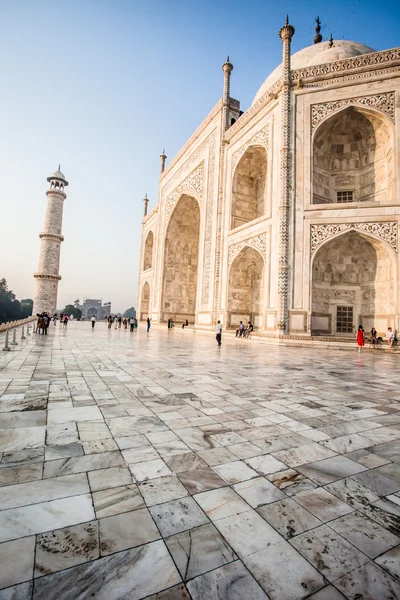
x=71, y=310
x=26, y=308
x=130, y=312
x=10, y=308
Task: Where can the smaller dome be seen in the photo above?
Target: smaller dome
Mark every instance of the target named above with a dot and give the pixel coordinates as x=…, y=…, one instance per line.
x=58, y=175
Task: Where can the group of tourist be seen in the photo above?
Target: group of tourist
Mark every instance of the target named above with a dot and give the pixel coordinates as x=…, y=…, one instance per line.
x=42, y=323
x=374, y=338
x=244, y=331
x=119, y=322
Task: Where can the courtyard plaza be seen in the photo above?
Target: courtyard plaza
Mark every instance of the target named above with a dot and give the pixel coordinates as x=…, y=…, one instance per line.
x=160, y=466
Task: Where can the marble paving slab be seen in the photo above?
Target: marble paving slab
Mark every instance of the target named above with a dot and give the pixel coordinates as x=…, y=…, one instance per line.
x=35, y=492
x=177, y=516
x=127, y=530
x=288, y=517
x=230, y=582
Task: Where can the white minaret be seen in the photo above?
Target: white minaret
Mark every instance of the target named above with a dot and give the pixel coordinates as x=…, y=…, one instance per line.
x=47, y=277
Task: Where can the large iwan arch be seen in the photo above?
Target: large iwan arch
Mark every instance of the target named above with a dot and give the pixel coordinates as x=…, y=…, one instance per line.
x=353, y=283
x=249, y=187
x=353, y=158
x=181, y=257
x=246, y=288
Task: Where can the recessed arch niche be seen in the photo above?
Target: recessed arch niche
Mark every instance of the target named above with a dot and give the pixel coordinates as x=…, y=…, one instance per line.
x=249, y=187
x=353, y=158
x=181, y=257
x=148, y=251
x=145, y=302
x=246, y=288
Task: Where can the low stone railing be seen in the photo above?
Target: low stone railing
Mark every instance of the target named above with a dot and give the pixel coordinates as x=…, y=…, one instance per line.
x=12, y=326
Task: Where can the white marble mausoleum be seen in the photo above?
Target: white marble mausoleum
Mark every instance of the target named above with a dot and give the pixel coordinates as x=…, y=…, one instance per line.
x=287, y=214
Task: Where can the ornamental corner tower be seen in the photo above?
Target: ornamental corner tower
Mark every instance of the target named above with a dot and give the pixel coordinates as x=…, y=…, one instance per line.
x=47, y=277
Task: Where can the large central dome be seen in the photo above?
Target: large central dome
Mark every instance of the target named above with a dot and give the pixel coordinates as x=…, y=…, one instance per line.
x=317, y=54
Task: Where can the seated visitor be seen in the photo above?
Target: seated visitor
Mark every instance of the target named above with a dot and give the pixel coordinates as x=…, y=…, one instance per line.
x=249, y=329
x=390, y=337
x=239, y=332
x=185, y=324
x=374, y=337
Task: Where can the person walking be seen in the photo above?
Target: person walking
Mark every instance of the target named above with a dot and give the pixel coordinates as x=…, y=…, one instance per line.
x=148, y=324
x=119, y=322
x=131, y=323
x=46, y=321
x=93, y=321
x=360, y=337
x=109, y=322
x=125, y=323
x=55, y=320
x=218, y=337
x=115, y=322
x=65, y=320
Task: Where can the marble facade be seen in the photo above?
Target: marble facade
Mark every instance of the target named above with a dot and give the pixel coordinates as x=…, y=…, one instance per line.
x=309, y=172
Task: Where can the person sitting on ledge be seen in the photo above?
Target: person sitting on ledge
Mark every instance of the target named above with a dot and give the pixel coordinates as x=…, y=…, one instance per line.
x=249, y=329
x=390, y=337
x=185, y=324
x=240, y=331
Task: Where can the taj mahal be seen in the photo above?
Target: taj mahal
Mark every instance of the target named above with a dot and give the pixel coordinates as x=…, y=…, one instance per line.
x=287, y=214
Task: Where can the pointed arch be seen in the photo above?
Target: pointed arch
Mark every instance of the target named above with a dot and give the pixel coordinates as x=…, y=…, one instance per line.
x=148, y=251
x=353, y=157
x=145, y=301
x=249, y=186
x=181, y=256
x=245, y=300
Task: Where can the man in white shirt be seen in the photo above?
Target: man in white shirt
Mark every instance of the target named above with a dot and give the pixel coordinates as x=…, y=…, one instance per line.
x=131, y=323
x=390, y=337
x=218, y=337
x=93, y=321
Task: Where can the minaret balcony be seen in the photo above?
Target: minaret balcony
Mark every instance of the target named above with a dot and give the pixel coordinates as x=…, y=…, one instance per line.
x=49, y=277
x=51, y=236
x=56, y=192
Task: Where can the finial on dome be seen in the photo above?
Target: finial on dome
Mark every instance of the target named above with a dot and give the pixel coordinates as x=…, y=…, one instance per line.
x=318, y=36
x=287, y=20
x=59, y=167
x=330, y=41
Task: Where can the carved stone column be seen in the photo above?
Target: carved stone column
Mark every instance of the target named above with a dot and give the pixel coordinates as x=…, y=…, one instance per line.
x=286, y=34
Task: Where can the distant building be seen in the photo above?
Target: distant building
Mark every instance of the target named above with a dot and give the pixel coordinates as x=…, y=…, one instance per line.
x=91, y=307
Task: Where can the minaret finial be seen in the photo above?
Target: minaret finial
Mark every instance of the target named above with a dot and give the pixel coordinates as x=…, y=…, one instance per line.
x=330, y=41
x=59, y=167
x=287, y=20
x=318, y=36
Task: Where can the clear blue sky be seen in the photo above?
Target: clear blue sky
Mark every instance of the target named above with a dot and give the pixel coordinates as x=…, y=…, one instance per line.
x=102, y=86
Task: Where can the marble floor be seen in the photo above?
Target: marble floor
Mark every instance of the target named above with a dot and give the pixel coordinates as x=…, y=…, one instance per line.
x=160, y=466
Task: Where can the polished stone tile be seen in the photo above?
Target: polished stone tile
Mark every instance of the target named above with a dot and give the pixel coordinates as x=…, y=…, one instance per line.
x=197, y=439
x=258, y=491
x=21, y=474
x=150, y=469
x=45, y=516
x=60, y=435
x=216, y=456
x=64, y=548
x=365, y=534
x=221, y=503
x=20, y=438
x=140, y=455
x=91, y=431
x=329, y=552
x=266, y=464
x=63, y=451
x=178, y=515
x=330, y=469
x=97, y=446
x=34, y=492
x=247, y=532
x=163, y=489
x=288, y=517
x=307, y=453
x=377, y=482
x=127, y=530
x=323, y=505
x=327, y=593
x=109, y=478
x=185, y=462
x=230, y=582
x=369, y=582
x=132, y=574
x=283, y=572
x=23, y=591
x=16, y=560
x=66, y=415
x=367, y=459
x=390, y=562
x=81, y=464
x=291, y=482
x=199, y=550
x=117, y=500
x=245, y=450
x=234, y=472
x=201, y=480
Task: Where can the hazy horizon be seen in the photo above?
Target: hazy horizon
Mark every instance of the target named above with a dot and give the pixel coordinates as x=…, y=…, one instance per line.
x=102, y=87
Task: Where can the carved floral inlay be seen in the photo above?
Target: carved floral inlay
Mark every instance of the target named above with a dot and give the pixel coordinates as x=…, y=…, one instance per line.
x=261, y=137
x=193, y=183
x=387, y=231
x=384, y=102
x=258, y=241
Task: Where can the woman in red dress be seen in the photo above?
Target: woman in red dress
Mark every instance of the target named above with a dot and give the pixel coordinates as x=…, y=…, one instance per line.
x=360, y=337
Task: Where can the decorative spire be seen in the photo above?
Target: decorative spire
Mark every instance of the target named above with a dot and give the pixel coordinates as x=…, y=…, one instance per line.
x=146, y=202
x=59, y=167
x=318, y=36
x=330, y=42
x=163, y=158
x=287, y=30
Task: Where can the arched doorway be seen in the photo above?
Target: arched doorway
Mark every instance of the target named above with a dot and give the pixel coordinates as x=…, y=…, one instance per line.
x=148, y=252
x=246, y=289
x=249, y=187
x=352, y=284
x=181, y=256
x=145, y=302
x=353, y=158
